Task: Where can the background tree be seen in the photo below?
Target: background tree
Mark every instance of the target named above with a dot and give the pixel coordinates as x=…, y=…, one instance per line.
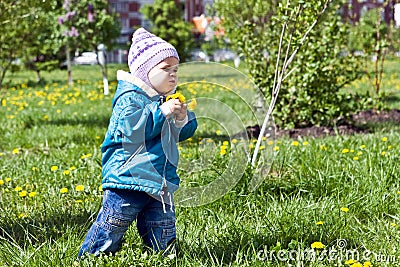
x=41, y=51
x=85, y=24
x=37, y=32
x=310, y=95
x=20, y=28
x=167, y=22
x=371, y=36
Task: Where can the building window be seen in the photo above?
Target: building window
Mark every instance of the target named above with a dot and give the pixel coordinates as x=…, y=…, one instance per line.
x=124, y=23
x=119, y=7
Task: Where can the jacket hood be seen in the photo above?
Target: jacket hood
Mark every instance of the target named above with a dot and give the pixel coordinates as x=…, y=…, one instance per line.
x=140, y=86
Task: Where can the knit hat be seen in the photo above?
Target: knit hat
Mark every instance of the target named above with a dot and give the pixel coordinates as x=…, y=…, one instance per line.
x=147, y=50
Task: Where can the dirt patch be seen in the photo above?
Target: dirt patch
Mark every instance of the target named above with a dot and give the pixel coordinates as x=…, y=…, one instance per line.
x=370, y=116
x=321, y=131
x=359, y=121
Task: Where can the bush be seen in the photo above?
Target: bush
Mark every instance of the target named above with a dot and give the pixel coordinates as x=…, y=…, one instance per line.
x=311, y=94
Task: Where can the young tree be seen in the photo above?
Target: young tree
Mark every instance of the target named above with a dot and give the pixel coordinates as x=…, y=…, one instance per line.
x=310, y=95
x=372, y=35
x=167, y=22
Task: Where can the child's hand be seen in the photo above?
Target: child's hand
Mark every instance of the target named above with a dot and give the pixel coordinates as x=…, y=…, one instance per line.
x=181, y=113
x=172, y=106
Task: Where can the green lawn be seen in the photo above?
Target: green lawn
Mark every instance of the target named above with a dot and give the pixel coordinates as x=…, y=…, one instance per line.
x=343, y=192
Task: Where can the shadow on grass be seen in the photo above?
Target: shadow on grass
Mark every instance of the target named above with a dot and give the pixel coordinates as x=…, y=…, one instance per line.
x=391, y=99
x=241, y=246
x=89, y=121
x=43, y=227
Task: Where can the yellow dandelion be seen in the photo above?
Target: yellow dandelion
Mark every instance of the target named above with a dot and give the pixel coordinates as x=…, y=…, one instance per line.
x=357, y=264
x=393, y=224
x=22, y=215
x=362, y=146
x=46, y=117
x=262, y=147
x=355, y=158
x=35, y=169
x=78, y=201
x=86, y=156
x=276, y=148
x=192, y=104
x=54, y=168
x=58, y=110
x=305, y=143
x=222, y=152
x=100, y=188
x=72, y=168
x=234, y=141
x=8, y=179
x=384, y=139
x=323, y=147
x=218, y=132
x=359, y=153
x=67, y=172
x=23, y=193
x=80, y=188
x=264, y=138
x=18, y=188
x=178, y=96
x=225, y=143
x=383, y=153
x=270, y=142
x=319, y=223
x=15, y=151
x=390, y=147
x=317, y=245
x=1, y=154
x=344, y=209
x=349, y=262
x=4, y=102
x=32, y=194
x=1, y=182
x=367, y=264
x=64, y=190
x=295, y=143
x=345, y=150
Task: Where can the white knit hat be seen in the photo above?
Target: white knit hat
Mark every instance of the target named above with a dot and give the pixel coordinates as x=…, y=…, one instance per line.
x=147, y=50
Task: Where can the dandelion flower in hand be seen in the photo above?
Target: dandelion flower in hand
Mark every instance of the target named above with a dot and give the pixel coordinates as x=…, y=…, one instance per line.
x=178, y=96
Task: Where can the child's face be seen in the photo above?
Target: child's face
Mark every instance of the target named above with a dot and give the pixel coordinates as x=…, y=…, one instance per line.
x=163, y=77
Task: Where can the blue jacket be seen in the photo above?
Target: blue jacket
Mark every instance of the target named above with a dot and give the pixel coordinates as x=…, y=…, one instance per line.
x=140, y=147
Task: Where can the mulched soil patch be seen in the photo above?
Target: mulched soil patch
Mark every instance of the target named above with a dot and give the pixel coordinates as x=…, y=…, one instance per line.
x=360, y=123
x=356, y=127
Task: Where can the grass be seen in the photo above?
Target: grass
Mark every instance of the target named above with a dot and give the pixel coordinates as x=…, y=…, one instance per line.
x=341, y=191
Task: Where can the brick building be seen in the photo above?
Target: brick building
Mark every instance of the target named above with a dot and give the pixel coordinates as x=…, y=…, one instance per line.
x=130, y=17
x=356, y=8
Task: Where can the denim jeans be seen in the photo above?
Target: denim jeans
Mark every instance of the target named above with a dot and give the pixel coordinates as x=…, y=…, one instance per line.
x=155, y=222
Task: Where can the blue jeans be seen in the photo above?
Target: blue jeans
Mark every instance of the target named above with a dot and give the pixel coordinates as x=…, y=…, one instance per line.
x=155, y=222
